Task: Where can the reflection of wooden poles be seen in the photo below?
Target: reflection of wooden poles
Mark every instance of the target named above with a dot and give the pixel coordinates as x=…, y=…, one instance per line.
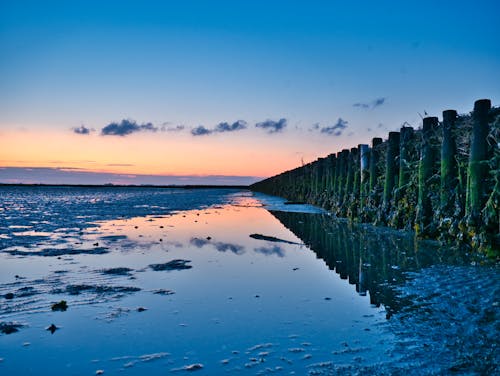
x=391, y=167
x=478, y=170
x=449, y=170
x=425, y=172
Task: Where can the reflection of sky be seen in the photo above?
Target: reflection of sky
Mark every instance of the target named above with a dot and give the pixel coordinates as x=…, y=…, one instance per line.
x=237, y=295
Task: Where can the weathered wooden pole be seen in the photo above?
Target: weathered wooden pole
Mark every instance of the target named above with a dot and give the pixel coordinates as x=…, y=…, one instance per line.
x=364, y=166
x=355, y=172
x=336, y=182
x=344, y=155
x=392, y=167
x=449, y=169
x=478, y=169
x=425, y=172
x=374, y=160
x=405, y=144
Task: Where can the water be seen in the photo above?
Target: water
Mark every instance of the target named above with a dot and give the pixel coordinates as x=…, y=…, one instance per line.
x=327, y=299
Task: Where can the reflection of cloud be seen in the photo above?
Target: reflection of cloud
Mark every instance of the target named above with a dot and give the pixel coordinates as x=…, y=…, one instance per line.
x=198, y=242
x=219, y=246
x=126, y=127
x=234, y=248
x=272, y=126
x=268, y=251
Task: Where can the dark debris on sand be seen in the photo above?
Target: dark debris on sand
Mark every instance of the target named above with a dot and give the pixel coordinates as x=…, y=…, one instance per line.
x=9, y=327
x=96, y=289
x=117, y=271
x=50, y=252
x=176, y=264
x=270, y=239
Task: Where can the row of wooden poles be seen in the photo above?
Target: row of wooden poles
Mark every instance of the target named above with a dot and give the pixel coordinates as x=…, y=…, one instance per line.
x=418, y=178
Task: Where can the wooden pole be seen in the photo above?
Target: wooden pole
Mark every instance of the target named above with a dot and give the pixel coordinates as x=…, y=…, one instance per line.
x=478, y=170
x=392, y=167
x=425, y=172
x=449, y=169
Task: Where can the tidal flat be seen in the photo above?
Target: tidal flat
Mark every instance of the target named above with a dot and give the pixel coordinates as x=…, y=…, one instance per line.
x=224, y=281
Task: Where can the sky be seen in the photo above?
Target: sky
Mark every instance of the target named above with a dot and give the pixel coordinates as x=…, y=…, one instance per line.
x=167, y=91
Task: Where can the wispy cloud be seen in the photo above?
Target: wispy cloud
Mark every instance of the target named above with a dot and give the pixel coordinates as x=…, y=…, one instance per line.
x=272, y=126
x=220, y=128
x=167, y=128
x=126, y=127
x=226, y=127
x=200, y=131
x=371, y=105
x=336, y=129
x=82, y=129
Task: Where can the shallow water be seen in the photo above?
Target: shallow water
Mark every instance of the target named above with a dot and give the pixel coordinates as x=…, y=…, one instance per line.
x=320, y=298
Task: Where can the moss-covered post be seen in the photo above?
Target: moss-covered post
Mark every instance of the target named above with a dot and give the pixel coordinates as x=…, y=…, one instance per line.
x=406, y=139
x=364, y=166
x=478, y=168
x=354, y=192
x=449, y=169
x=330, y=183
x=428, y=158
x=344, y=155
x=336, y=182
x=392, y=167
x=374, y=159
x=355, y=171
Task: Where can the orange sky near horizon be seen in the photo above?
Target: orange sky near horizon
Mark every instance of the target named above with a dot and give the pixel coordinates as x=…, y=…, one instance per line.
x=161, y=153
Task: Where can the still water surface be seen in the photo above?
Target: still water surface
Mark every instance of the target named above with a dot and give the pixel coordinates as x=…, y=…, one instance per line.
x=313, y=296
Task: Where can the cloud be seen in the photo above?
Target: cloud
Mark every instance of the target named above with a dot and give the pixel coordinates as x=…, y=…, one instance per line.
x=272, y=126
x=373, y=104
x=361, y=105
x=82, y=129
x=220, y=128
x=177, y=128
x=126, y=127
x=336, y=129
x=226, y=127
x=378, y=102
x=200, y=131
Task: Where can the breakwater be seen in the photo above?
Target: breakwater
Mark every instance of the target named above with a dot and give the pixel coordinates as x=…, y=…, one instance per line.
x=441, y=181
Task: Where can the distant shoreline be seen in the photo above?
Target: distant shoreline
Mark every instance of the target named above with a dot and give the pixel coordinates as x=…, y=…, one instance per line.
x=187, y=186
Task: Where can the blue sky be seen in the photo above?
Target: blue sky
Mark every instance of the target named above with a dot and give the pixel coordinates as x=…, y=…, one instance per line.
x=70, y=63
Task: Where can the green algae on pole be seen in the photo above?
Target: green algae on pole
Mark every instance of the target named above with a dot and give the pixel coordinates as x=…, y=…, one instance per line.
x=374, y=159
x=478, y=171
x=449, y=169
x=425, y=173
x=405, y=144
x=391, y=167
x=364, y=166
